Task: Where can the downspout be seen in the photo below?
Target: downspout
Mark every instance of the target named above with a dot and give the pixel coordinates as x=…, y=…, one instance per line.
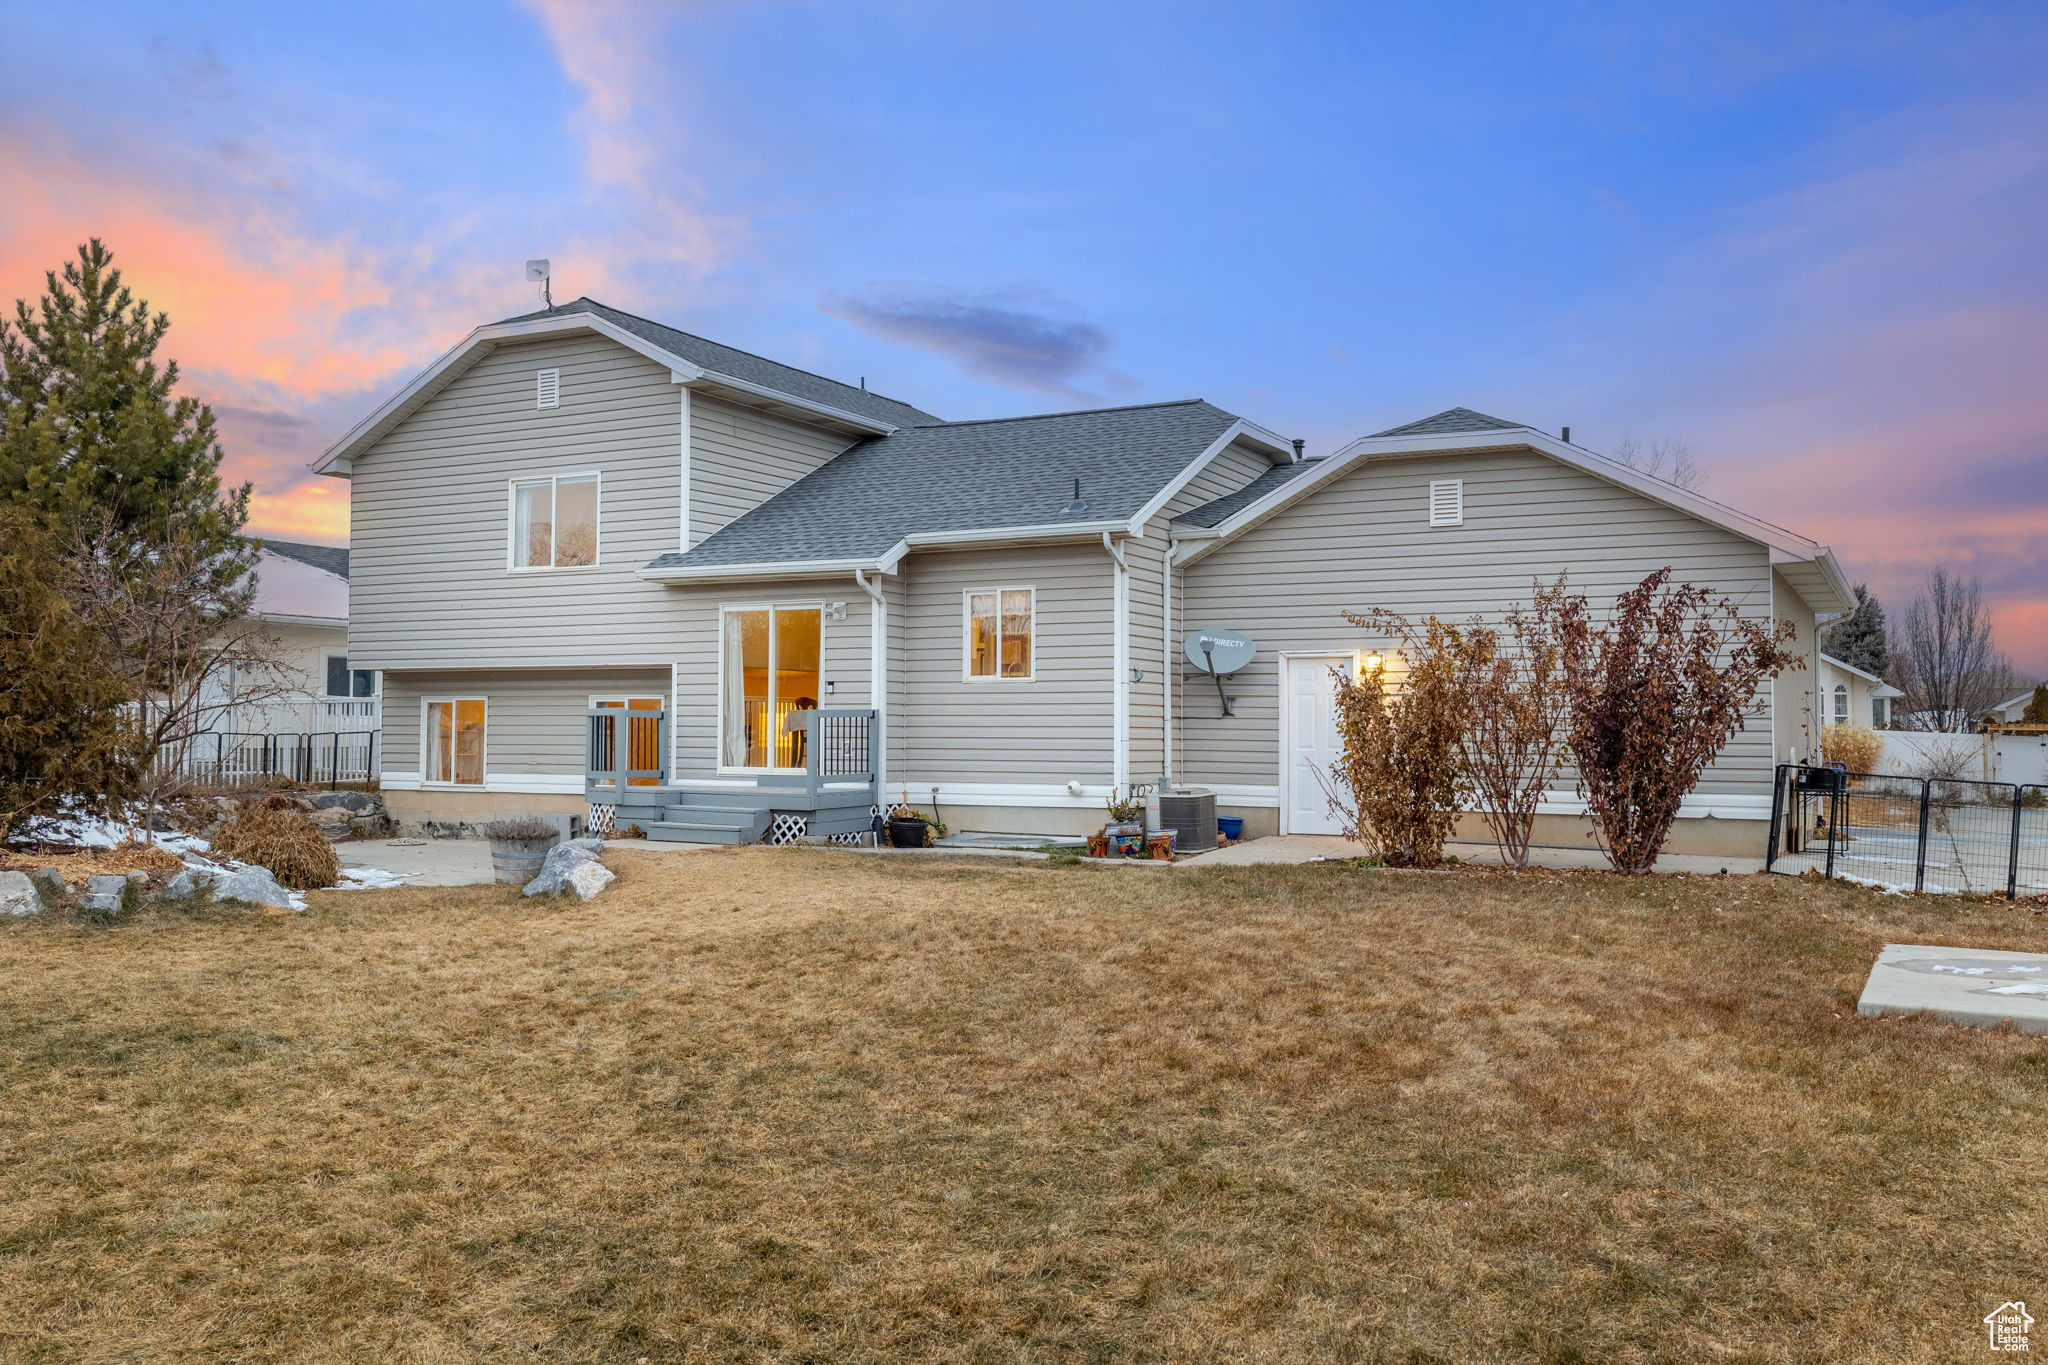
x=1120, y=661
x=878, y=672
x=1166, y=664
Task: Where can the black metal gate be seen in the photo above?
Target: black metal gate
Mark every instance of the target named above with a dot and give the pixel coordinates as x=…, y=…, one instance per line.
x=1911, y=833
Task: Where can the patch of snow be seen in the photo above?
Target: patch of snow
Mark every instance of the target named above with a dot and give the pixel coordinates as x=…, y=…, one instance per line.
x=2022, y=988
x=370, y=879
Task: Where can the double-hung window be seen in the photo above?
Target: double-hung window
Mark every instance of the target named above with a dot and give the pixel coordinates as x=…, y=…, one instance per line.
x=1001, y=624
x=455, y=741
x=554, y=522
x=1841, y=709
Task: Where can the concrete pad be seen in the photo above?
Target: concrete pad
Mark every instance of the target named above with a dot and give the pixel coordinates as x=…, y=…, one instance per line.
x=1978, y=987
x=1307, y=848
x=423, y=862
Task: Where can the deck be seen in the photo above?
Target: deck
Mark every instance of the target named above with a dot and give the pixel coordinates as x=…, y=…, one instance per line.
x=834, y=795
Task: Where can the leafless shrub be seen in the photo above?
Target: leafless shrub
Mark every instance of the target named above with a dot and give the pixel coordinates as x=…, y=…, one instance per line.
x=283, y=840
x=1516, y=709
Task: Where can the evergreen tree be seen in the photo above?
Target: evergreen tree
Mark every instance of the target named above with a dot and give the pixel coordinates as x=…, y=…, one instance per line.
x=65, y=733
x=95, y=442
x=1857, y=639
x=2037, y=706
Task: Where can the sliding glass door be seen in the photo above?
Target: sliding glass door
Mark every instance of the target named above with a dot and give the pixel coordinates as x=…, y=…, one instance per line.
x=771, y=674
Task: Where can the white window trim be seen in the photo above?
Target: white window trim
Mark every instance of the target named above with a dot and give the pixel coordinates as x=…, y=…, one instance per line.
x=512, y=564
x=1457, y=487
x=727, y=608
x=547, y=389
x=1839, y=704
x=967, y=673
x=427, y=705
x=376, y=677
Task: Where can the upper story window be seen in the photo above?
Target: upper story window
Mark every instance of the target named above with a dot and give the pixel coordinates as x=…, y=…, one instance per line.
x=1446, y=502
x=1001, y=624
x=547, y=389
x=1841, y=710
x=554, y=522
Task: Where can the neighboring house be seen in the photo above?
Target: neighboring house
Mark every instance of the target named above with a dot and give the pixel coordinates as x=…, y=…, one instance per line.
x=302, y=603
x=1850, y=696
x=593, y=555
x=2010, y=712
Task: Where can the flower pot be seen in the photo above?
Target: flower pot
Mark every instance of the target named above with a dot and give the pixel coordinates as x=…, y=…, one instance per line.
x=519, y=860
x=907, y=833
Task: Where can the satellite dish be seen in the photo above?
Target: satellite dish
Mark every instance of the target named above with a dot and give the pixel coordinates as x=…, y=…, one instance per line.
x=1219, y=651
x=537, y=270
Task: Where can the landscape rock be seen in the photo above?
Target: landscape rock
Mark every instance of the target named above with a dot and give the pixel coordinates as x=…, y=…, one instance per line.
x=572, y=867
x=354, y=802
x=330, y=815
x=51, y=881
x=183, y=886
x=589, y=842
x=107, y=893
x=373, y=826
x=18, y=894
x=252, y=884
x=139, y=878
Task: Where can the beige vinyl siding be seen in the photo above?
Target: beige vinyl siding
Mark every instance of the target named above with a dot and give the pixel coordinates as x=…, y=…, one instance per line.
x=1236, y=465
x=1052, y=729
x=739, y=458
x=1793, y=725
x=1365, y=540
x=844, y=662
x=533, y=721
x=430, y=587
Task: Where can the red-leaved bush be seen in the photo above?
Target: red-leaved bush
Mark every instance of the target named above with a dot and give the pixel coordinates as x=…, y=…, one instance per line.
x=1656, y=690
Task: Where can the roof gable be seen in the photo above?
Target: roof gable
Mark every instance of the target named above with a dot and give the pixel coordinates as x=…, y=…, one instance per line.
x=728, y=361
x=1451, y=420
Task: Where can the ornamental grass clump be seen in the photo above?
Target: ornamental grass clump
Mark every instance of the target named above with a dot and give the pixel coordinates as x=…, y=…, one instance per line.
x=279, y=837
x=520, y=829
x=1855, y=747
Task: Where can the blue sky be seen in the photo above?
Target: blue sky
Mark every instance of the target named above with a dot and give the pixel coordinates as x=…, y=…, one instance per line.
x=1802, y=238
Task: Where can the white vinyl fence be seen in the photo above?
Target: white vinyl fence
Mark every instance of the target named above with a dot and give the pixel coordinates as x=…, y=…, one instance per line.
x=2018, y=759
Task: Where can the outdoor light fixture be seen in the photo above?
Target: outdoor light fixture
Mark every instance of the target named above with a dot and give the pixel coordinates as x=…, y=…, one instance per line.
x=1373, y=663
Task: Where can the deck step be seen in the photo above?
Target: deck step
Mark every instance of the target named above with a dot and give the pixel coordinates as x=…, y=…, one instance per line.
x=694, y=832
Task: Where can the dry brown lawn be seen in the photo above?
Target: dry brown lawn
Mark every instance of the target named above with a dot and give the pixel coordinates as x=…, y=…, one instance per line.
x=817, y=1106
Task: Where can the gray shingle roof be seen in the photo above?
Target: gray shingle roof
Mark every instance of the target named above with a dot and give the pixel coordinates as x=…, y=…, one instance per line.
x=753, y=369
x=334, y=559
x=967, y=476
x=1212, y=513
x=1452, y=420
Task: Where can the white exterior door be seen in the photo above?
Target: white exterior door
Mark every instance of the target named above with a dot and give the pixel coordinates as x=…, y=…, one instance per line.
x=1308, y=717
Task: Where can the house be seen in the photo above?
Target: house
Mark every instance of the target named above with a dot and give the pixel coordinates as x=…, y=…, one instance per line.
x=2012, y=711
x=302, y=603
x=602, y=564
x=1850, y=696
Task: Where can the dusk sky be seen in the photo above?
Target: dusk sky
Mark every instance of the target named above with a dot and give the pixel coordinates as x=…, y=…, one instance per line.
x=1806, y=239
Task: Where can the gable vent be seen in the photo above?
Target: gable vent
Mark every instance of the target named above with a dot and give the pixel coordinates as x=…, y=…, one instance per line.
x=549, y=390
x=1446, y=502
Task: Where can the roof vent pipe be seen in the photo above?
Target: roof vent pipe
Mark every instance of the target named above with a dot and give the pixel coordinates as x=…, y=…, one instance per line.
x=1076, y=507
x=1298, y=444
x=1567, y=435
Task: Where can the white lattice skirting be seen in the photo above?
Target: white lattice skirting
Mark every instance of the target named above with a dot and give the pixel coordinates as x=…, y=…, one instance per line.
x=604, y=818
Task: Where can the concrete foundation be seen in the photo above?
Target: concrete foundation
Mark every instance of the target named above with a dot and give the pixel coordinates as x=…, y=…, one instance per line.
x=442, y=813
